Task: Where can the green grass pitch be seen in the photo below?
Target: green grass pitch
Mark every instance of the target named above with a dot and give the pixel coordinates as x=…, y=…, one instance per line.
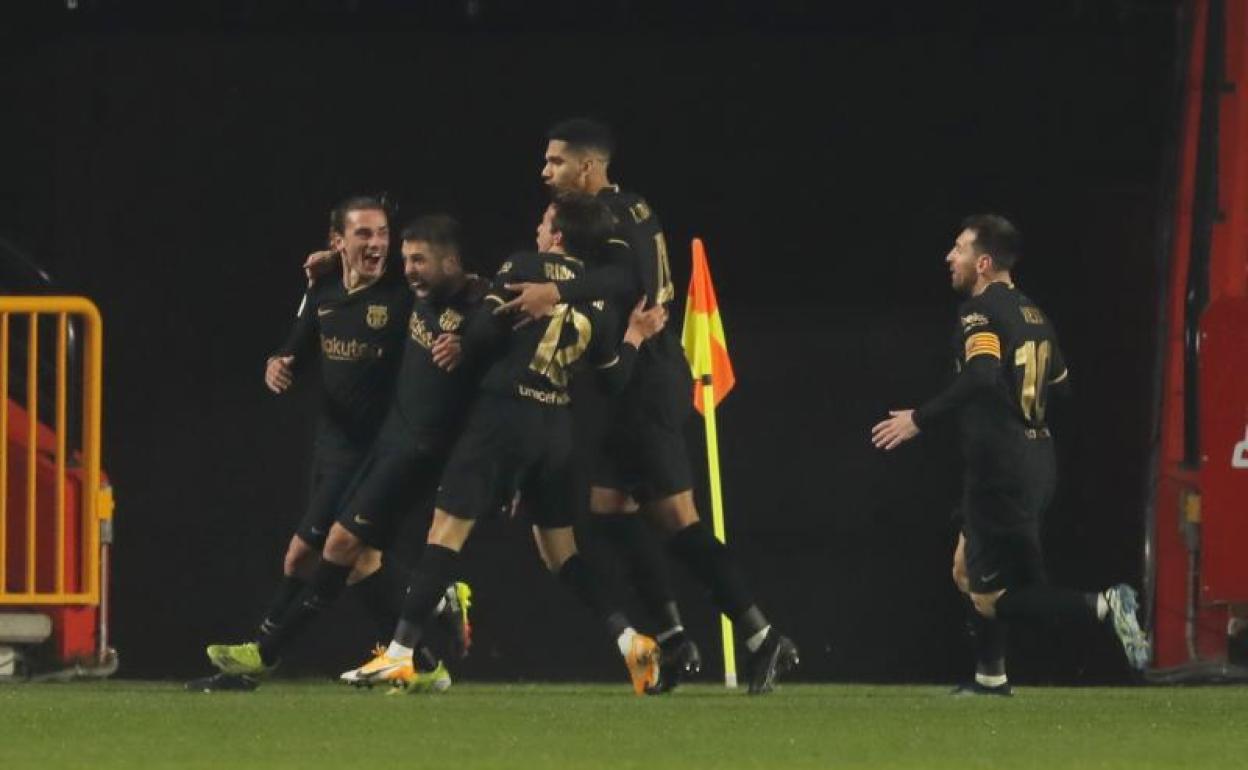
x=304, y=725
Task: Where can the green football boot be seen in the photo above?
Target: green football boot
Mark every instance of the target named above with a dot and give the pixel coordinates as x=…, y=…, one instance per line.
x=242, y=659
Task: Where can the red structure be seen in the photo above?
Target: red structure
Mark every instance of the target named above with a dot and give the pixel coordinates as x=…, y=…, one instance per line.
x=1197, y=552
x=55, y=504
x=74, y=626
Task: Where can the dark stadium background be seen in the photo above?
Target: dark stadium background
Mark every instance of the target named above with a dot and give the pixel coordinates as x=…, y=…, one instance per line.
x=177, y=169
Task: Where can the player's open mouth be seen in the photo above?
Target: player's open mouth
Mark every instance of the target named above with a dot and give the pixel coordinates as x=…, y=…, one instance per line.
x=372, y=260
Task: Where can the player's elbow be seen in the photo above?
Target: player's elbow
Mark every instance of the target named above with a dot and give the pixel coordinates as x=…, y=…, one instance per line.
x=981, y=372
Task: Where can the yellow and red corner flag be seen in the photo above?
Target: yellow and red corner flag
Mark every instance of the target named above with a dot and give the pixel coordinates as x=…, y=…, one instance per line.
x=707, y=351
x=703, y=335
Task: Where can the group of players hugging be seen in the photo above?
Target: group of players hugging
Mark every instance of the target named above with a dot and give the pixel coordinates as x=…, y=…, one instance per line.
x=438, y=384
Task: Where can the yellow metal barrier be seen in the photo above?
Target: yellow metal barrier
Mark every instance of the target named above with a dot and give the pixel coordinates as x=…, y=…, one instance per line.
x=95, y=503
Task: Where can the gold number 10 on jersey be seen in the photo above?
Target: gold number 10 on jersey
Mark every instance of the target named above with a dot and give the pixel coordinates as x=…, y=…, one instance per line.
x=553, y=360
x=1033, y=357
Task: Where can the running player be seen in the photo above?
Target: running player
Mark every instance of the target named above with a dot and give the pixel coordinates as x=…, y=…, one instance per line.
x=1008, y=360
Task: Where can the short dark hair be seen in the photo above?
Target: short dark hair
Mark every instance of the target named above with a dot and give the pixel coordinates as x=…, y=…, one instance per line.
x=997, y=237
x=584, y=134
x=585, y=223
x=338, y=217
x=441, y=230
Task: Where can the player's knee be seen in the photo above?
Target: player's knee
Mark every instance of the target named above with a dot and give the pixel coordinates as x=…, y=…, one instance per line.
x=299, y=558
x=342, y=546
x=674, y=513
x=608, y=501
x=449, y=531
x=985, y=604
x=555, y=546
x=367, y=562
x=960, y=579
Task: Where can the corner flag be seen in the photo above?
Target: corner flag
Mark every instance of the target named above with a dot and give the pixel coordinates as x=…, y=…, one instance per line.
x=703, y=336
x=707, y=352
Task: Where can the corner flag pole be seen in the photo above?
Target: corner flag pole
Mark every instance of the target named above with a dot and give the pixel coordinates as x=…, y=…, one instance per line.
x=707, y=352
x=717, y=516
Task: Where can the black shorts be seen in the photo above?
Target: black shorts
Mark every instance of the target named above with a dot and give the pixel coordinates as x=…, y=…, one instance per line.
x=1002, y=514
x=512, y=445
x=643, y=450
x=335, y=461
x=399, y=472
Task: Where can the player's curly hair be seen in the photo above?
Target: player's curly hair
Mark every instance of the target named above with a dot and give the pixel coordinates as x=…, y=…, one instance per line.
x=997, y=237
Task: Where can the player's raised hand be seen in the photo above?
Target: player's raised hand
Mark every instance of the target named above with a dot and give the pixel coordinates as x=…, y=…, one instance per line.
x=279, y=373
x=447, y=351
x=319, y=263
x=895, y=431
x=644, y=324
x=534, y=300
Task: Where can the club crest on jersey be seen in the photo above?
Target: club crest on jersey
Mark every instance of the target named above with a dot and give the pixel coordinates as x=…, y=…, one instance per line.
x=377, y=316
x=974, y=320
x=640, y=212
x=1032, y=315
x=450, y=320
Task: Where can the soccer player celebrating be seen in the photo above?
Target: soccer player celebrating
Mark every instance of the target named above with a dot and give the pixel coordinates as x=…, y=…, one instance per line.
x=518, y=436
x=402, y=467
x=642, y=463
x=1008, y=360
x=351, y=320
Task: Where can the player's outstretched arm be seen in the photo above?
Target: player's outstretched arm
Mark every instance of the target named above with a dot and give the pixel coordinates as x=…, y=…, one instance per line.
x=532, y=300
x=613, y=281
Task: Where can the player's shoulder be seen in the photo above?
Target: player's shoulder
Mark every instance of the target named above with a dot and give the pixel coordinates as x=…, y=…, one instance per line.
x=1028, y=311
x=1007, y=305
x=976, y=313
x=326, y=288
x=521, y=263
x=475, y=289
x=629, y=207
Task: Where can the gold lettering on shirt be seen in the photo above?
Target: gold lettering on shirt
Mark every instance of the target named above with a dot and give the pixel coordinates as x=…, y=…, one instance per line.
x=557, y=272
x=337, y=349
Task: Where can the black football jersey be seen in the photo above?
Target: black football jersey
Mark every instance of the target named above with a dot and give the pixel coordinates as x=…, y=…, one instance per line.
x=358, y=338
x=539, y=358
x=1003, y=323
x=429, y=400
